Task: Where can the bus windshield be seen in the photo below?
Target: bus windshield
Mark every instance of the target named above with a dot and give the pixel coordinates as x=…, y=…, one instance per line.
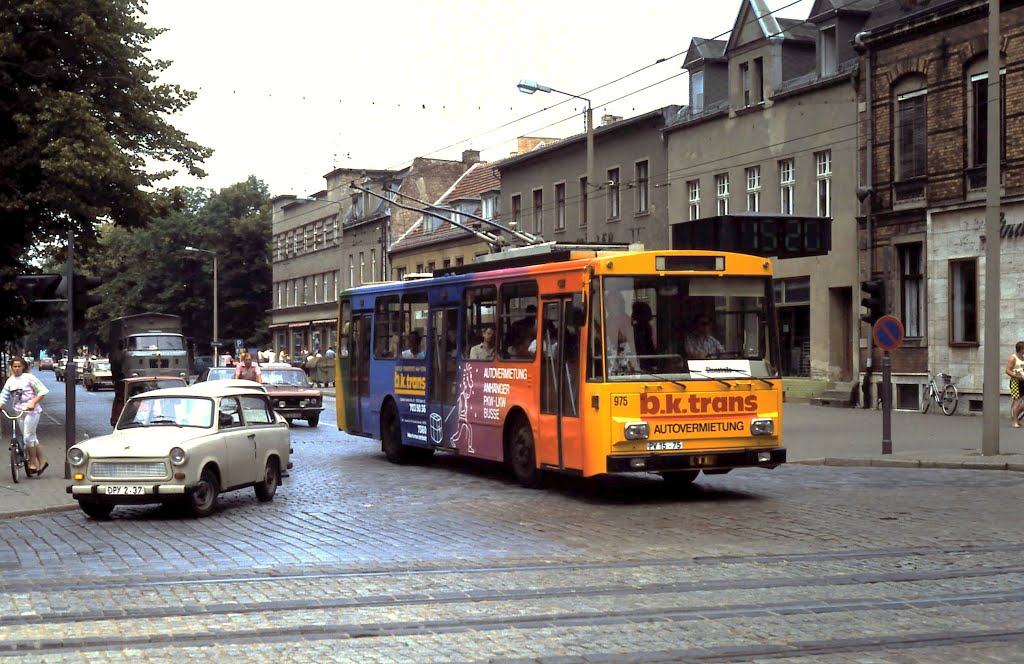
x=156, y=342
x=684, y=328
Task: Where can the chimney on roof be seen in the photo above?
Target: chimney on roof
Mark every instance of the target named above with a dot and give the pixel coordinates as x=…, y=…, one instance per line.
x=609, y=119
x=470, y=157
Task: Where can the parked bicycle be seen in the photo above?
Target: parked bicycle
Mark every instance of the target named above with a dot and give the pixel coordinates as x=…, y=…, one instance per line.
x=942, y=391
x=19, y=455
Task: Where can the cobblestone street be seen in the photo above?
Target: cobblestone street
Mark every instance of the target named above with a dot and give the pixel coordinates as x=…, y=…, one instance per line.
x=361, y=560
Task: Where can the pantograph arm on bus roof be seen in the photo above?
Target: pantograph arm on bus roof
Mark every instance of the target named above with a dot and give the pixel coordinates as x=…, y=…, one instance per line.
x=493, y=240
x=528, y=238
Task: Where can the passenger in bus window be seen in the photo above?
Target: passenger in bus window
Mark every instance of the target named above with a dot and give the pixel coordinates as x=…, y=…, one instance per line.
x=700, y=343
x=643, y=335
x=414, y=350
x=520, y=349
x=485, y=349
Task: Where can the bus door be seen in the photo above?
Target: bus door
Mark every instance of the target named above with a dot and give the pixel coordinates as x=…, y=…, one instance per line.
x=561, y=440
x=358, y=393
x=442, y=418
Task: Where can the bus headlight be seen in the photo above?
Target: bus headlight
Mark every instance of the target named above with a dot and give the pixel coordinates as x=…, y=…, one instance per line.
x=762, y=427
x=637, y=431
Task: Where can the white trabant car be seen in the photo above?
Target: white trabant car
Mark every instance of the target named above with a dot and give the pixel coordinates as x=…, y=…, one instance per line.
x=183, y=444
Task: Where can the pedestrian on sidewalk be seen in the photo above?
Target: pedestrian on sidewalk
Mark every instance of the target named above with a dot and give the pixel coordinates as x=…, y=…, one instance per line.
x=1015, y=370
x=24, y=391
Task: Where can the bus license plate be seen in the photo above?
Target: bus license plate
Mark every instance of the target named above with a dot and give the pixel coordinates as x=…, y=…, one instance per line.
x=658, y=445
x=124, y=490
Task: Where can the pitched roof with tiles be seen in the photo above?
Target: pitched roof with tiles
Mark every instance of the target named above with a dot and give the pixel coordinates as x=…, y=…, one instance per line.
x=479, y=179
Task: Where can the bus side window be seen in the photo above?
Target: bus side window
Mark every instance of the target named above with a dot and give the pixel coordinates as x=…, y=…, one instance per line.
x=480, y=310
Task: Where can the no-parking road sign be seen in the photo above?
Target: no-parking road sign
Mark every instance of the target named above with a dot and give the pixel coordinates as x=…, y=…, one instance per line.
x=888, y=333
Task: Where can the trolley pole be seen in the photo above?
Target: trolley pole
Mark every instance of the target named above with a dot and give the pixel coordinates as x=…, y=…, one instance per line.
x=69, y=372
x=886, y=404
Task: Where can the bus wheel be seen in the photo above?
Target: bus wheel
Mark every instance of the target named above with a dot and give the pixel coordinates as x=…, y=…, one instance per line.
x=680, y=478
x=522, y=456
x=391, y=434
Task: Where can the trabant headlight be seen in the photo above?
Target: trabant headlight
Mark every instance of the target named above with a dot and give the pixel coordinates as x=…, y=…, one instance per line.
x=76, y=457
x=281, y=404
x=178, y=456
x=637, y=431
x=762, y=427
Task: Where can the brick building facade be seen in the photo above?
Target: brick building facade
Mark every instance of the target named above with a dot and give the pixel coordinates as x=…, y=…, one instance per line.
x=924, y=71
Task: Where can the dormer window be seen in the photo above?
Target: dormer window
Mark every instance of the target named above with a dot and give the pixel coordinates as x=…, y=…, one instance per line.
x=697, y=91
x=751, y=81
x=745, y=82
x=827, y=51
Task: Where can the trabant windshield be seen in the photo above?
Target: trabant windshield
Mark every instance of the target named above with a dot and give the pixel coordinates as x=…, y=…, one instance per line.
x=167, y=411
x=156, y=342
x=296, y=378
x=683, y=328
x=101, y=366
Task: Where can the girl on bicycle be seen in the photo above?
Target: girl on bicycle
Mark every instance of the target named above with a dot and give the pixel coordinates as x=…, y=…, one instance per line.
x=29, y=391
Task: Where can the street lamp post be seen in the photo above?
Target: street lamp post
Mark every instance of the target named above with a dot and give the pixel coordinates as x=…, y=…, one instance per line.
x=215, y=344
x=529, y=87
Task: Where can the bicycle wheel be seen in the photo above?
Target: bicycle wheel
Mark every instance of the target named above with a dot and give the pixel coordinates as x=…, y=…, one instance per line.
x=15, y=465
x=926, y=398
x=950, y=398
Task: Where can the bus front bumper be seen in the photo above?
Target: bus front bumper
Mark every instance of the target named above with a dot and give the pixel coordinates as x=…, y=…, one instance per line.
x=697, y=461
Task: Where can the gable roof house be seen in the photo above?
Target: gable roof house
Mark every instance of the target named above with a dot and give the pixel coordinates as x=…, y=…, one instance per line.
x=771, y=127
x=432, y=243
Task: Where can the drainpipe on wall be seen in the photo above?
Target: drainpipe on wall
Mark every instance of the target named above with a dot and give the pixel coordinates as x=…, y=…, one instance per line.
x=866, y=191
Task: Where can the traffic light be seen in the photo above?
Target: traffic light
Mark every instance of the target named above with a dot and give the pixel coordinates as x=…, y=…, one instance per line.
x=81, y=300
x=40, y=287
x=873, y=300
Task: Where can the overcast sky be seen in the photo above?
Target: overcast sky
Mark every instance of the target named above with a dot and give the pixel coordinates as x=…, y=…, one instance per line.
x=290, y=91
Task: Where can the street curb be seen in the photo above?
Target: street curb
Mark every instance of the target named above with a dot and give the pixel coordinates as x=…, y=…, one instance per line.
x=36, y=512
x=910, y=463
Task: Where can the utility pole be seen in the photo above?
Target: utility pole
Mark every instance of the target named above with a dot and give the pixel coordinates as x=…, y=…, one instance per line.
x=993, y=371
x=70, y=379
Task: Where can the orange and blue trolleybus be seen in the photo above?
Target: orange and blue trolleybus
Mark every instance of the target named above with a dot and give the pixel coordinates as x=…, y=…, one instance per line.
x=570, y=360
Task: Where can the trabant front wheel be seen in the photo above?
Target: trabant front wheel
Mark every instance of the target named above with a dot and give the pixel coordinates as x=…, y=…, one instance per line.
x=98, y=511
x=203, y=500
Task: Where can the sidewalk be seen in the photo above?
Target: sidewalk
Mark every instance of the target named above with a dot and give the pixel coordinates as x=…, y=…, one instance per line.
x=814, y=435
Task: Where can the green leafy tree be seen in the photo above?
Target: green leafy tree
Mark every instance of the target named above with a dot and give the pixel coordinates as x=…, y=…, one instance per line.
x=149, y=269
x=84, y=131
